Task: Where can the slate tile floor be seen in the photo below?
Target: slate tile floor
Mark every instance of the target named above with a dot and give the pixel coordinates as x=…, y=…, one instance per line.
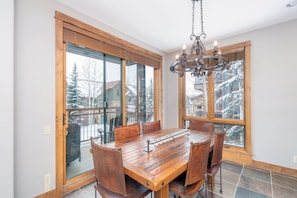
x=238, y=182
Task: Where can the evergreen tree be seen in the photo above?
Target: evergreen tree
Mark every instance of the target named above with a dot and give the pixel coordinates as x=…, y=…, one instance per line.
x=73, y=92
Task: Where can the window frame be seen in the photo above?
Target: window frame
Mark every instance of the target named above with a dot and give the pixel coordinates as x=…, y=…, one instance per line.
x=232, y=153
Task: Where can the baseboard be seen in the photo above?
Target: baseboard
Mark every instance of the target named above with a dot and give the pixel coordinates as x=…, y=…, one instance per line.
x=273, y=168
x=49, y=194
x=68, y=188
x=237, y=156
x=244, y=158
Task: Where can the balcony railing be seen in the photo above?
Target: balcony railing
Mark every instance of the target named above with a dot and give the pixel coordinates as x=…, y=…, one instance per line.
x=92, y=119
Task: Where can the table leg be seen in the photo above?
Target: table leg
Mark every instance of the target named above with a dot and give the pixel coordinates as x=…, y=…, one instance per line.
x=163, y=192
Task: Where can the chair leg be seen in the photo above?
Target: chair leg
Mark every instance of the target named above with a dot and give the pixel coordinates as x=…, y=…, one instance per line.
x=95, y=194
x=210, y=182
x=221, y=190
x=206, y=184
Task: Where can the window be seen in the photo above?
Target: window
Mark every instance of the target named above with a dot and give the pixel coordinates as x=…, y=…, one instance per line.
x=222, y=98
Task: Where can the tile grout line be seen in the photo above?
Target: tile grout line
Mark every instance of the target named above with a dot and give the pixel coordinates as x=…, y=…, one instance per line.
x=271, y=184
x=238, y=181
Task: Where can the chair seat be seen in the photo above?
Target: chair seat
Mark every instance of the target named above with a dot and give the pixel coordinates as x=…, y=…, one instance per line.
x=134, y=189
x=177, y=186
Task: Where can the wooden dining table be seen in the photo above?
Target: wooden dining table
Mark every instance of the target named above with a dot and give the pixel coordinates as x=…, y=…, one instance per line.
x=166, y=160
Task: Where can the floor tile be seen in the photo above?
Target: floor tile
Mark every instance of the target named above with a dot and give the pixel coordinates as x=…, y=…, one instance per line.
x=281, y=192
x=229, y=176
x=255, y=185
x=262, y=175
x=283, y=180
x=244, y=193
x=237, y=168
x=84, y=192
x=228, y=189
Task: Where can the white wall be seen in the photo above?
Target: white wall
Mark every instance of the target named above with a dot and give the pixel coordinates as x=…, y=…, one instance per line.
x=273, y=92
x=34, y=96
x=7, y=97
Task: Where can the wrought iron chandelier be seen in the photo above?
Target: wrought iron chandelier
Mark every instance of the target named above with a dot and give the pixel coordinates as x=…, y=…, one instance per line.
x=197, y=61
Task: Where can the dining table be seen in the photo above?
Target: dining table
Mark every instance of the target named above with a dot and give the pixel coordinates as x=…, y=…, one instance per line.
x=157, y=158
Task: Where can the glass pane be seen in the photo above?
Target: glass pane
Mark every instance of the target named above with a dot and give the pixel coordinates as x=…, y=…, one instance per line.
x=229, y=92
x=196, y=96
x=84, y=81
x=234, y=134
x=113, y=93
x=139, y=93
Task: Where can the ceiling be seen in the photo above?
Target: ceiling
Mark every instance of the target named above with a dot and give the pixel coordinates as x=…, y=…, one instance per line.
x=167, y=25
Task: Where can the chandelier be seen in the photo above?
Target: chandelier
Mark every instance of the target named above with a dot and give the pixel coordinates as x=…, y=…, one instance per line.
x=197, y=61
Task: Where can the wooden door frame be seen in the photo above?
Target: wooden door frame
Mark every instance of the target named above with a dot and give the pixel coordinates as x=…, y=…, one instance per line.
x=108, y=44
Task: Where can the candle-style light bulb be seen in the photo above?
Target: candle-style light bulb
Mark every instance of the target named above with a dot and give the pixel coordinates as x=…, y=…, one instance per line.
x=176, y=57
x=184, y=48
x=215, y=45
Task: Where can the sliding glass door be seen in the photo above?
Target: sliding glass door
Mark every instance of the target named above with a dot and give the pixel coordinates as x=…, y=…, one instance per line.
x=92, y=89
x=139, y=93
x=112, y=96
x=93, y=98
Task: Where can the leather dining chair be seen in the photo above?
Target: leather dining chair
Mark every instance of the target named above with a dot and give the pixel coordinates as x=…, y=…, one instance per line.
x=215, y=159
x=191, y=181
x=126, y=132
x=148, y=127
x=201, y=126
x=111, y=182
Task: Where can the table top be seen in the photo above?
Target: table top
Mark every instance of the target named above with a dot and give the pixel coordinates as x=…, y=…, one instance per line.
x=165, y=162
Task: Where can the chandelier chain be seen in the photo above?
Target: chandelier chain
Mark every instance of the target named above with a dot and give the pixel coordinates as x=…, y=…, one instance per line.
x=193, y=20
x=201, y=15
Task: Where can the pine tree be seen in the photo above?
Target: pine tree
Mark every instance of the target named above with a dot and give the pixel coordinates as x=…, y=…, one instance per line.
x=73, y=92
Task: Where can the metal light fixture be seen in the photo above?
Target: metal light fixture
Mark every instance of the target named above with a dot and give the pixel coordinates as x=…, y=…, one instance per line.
x=292, y=3
x=198, y=62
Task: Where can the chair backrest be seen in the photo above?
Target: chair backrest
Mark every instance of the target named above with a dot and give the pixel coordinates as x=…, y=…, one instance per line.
x=197, y=164
x=217, y=151
x=108, y=167
x=201, y=126
x=126, y=132
x=148, y=127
